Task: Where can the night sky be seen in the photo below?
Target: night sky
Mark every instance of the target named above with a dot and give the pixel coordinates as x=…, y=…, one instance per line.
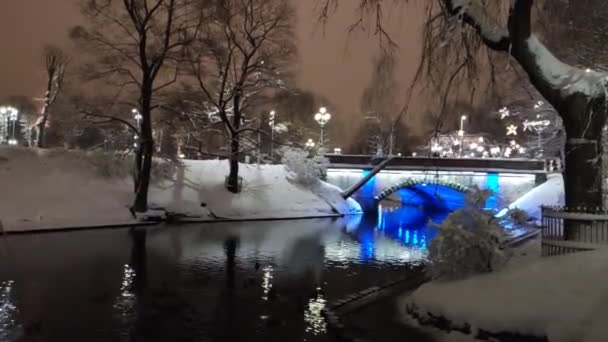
x=332, y=63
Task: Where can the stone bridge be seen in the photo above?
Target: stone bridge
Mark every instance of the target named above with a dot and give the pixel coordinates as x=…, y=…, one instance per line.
x=437, y=183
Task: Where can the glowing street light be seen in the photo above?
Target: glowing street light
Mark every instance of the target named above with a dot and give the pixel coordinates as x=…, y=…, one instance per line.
x=337, y=150
x=310, y=144
x=462, y=120
x=322, y=118
x=9, y=115
x=137, y=115
x=271, y=124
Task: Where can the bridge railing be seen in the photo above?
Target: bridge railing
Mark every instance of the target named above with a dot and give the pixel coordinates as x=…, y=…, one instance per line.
x=569, y=230
x=399, y=162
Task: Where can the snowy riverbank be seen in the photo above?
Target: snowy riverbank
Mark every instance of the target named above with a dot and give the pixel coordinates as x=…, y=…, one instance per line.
x=57, y=188
x=562, y=298
x=549, y=193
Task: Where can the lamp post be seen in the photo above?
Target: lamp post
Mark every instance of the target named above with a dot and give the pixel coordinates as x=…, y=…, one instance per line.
x=137, y=115
x=13, y=115
x=9, y=117
x=271, y=123
x=463, y=118
x=322, y=118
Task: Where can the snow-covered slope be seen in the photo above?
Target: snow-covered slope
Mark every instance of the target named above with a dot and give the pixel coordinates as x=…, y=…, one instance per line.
x=550, y=193
x=564, y=298
x=266, y=192
x=49, y=188
x=52, y=188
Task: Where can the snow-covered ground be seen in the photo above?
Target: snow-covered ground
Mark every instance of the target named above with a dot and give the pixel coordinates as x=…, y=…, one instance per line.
x=550, y=193
x=57, y=188
x=266, y=192
x=564, y=298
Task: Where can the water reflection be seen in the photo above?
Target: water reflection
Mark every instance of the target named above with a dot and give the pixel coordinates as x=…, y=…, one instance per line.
x=229, y=282
x=8, y=312
x=315, y=322
x=267, y=282
x=394, y=235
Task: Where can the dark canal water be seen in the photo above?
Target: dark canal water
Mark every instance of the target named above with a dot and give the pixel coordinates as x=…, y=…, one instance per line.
x=263, y=281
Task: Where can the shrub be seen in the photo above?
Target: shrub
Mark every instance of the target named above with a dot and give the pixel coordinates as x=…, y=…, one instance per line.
x=163, y=169
x=110, y=165
x=469, y=241
x=304, y=168
x=517, y=216
x=119, y=166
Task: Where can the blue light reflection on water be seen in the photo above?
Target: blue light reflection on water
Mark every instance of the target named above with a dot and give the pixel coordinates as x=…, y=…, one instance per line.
x=408, y=224
x=404, y=226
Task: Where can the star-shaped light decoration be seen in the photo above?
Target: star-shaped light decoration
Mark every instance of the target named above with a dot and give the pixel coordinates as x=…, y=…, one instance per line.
x=504, y=112
x=511, y=130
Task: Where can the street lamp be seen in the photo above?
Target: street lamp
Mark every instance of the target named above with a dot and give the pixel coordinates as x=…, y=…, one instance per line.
x=462, y=120
x=137, y=115
x=322, y=117
x=337, y=150
x=310, y=144
x=271, y=123
x=9, y=115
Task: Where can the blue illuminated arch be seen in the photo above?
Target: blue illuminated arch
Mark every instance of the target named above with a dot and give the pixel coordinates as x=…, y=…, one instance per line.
x=433, y=195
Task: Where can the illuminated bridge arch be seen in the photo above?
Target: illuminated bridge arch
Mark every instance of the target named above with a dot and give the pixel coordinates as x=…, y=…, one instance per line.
x=412, y=184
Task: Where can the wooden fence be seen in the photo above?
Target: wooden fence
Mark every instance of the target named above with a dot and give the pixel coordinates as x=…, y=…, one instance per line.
x=567, y=230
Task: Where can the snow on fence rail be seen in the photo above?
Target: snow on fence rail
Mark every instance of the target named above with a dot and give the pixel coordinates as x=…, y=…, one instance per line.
x=569, y=230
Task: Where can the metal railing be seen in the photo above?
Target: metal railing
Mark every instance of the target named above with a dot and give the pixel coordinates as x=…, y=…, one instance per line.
x=568, y=230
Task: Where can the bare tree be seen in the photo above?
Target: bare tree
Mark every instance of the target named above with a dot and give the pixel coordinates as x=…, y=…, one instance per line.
x=245, y=50
x=136, y=45
x=455, y=31
x=379, y=103
x=577, y=31
x=55, y=63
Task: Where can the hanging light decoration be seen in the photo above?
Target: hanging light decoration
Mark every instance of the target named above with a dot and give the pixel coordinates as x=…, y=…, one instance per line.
x=511, y=130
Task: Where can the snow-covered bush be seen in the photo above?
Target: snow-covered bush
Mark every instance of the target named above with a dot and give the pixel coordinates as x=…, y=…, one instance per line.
x=302, y=167
x=117, y=166
x=163, y=169
x=110, y=165
x=469, y=241
x=517, y=216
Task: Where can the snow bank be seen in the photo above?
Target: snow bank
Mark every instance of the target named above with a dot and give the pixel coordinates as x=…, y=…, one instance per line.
x=564, y=298
x=45, y=188
x=266, y=192
x=56, y=188
x=550, y=193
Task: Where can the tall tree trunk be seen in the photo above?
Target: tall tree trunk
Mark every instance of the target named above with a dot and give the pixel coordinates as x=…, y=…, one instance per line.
x=583, y=175
x=235, y=145
x=146, y=150
x=40, y=131
x=233, y=177
x=584, y=122
x=139, y=157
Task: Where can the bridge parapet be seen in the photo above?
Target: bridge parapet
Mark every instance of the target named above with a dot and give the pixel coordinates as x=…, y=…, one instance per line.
x=527, y=166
